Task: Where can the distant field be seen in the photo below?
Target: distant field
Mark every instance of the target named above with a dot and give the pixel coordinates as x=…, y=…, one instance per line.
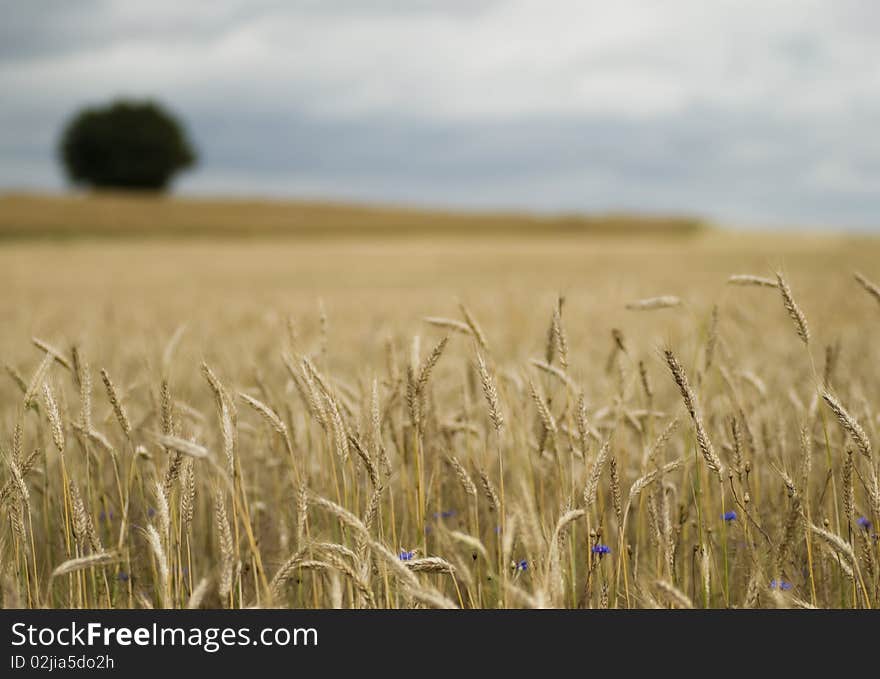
x=337, y=452
x=26, y=216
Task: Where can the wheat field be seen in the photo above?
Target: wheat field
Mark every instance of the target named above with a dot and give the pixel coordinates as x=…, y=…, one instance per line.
x=482, y=422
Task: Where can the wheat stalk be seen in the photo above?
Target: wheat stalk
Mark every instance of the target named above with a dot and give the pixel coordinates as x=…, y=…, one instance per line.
x=54, y=417
x=673, y=594
x=83, y=562
x=491, y=394
x=543, y=409
x=687, y=394
x=116, y=403
x=592, y=486
x=868, y=286
x=800, y=321
x=750, y=280
x=653, y=303
x=849, y=423
x=474, y=327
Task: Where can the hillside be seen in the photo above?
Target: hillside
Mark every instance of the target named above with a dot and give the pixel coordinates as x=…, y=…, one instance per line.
x=96, y=215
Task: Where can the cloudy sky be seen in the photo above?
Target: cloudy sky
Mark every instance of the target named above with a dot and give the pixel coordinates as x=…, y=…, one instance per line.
x=748, y=111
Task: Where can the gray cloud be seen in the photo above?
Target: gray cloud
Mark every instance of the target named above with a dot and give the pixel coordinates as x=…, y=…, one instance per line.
x=551, y=106
x=706, y=161
x=45, y=28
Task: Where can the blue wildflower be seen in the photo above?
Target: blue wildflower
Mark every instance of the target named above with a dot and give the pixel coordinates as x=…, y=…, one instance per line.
x=521, y=565
x=123, y=576
x=406, y=556
x=863, y=522
x=729, y=516
x=151, y=512
x=601, y=549
x=780, y=584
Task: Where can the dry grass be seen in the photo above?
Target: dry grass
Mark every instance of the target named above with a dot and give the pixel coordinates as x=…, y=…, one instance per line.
x=132, y=215
x=191, y=427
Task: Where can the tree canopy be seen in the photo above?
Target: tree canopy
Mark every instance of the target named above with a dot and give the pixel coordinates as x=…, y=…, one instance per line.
x=126, y=145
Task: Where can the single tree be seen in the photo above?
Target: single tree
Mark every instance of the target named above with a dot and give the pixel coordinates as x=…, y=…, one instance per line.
x=127, y=144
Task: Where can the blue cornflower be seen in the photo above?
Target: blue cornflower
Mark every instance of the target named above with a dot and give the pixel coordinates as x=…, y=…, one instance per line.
x=406, y=556
x=601, y=549
x=521, y=565
x=151, y=512
x=123, y=576
x=729, y=516
x=780, y=584
x=863, y=522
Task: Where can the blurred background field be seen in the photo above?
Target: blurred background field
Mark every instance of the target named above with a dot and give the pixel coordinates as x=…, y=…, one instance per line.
x=98, y=264
x=120, y=215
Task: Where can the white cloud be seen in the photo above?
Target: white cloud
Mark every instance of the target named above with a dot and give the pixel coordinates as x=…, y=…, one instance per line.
x=521, y=57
